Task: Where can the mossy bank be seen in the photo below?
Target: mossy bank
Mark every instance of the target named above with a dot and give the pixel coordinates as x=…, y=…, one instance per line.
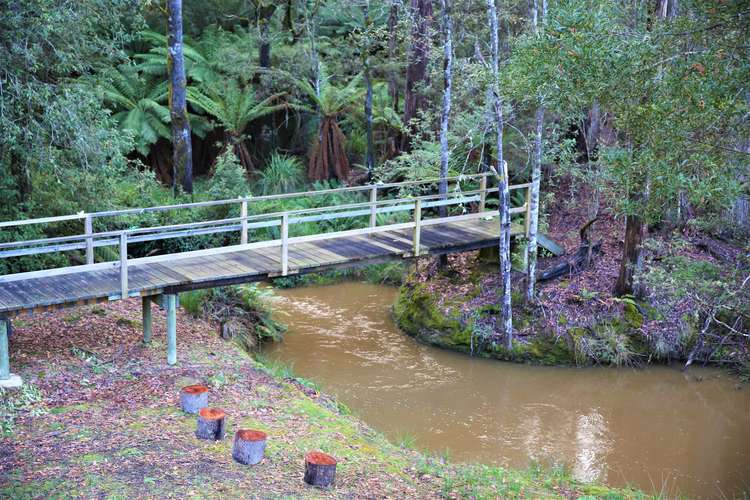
x=99, y=419
x=462, y=323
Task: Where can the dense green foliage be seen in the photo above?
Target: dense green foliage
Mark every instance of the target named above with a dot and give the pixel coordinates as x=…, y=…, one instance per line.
x=647, y=107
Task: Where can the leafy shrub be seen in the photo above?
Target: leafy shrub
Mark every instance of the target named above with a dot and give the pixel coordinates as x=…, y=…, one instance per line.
x=241, y=311
x=228, y=179
x=607, y=346
x=282, y=174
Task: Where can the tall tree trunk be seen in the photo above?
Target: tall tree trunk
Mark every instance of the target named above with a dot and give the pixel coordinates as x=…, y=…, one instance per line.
x=502, y=171
x=392, y=53
x=416, y=71
x=182, y=154
x=370, y=156
x=536, y=176
x=264, y=15
x=635, y=226
x=445, y=116
x=631, y=254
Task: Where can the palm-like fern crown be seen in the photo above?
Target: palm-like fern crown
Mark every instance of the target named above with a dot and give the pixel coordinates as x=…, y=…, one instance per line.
x=138, y=105
x=234, y=106
x=154, y=62
x=333, y=99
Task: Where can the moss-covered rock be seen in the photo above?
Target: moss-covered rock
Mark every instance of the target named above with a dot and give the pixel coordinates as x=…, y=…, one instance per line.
x=417, y=315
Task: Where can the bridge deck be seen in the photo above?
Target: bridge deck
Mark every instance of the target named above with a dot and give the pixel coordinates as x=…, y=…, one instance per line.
x=169, y=274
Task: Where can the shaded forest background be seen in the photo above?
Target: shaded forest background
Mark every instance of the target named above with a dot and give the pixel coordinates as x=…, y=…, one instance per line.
x=646, y=104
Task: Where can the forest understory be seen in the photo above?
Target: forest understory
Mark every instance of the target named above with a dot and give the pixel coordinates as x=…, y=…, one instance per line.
x=692, y=307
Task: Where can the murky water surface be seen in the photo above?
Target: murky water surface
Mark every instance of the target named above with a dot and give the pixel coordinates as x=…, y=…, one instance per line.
x=657, y=429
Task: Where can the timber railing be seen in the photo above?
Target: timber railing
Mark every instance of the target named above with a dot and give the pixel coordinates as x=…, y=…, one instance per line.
x=89, y=240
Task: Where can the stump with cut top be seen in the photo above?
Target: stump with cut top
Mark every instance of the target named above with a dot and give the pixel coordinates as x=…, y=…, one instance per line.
x=211, y=424
x=193, y=398
x=320, y=469
x=249, y=446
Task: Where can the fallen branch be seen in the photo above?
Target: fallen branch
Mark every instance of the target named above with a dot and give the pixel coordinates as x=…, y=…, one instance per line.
x=582, y=258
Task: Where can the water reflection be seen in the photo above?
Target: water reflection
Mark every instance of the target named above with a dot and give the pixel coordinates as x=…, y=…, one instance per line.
x=657, y=429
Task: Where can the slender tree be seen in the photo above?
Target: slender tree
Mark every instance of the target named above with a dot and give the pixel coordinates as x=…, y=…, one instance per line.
x=447, y=82
x=392, y=52
x=536, y=172
x=416, y=71
x=635, y=226
x=182, y=151
x=370, y=155
x=502, y=175
x=264, y=10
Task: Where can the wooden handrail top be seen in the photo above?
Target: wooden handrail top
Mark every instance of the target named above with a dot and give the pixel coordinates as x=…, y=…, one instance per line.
x=252, y=199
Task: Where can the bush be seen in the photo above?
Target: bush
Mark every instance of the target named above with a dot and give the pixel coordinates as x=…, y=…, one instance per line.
x=282, y=174
x=241, y=311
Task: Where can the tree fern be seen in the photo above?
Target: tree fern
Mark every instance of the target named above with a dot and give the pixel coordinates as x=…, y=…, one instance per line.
x=234, y=107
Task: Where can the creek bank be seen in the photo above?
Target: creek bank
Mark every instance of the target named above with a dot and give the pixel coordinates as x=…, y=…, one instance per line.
x=576, y=321
x=104, y=422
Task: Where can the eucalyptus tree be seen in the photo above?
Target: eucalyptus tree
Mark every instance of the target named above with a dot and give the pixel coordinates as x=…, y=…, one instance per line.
x=502, y=175
x=417, y=75
x=366, y=72
x=264, y=10
x=536, y=170
x=674, y=89
x=182, y=149
x=447, y=26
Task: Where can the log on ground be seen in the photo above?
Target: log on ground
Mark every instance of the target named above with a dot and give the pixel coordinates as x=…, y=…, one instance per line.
x=211, y=424
x=320, y=469
x=249, y=446
x=193, y=398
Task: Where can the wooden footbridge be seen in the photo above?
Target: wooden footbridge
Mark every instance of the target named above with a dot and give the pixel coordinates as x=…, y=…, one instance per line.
x=420, y=223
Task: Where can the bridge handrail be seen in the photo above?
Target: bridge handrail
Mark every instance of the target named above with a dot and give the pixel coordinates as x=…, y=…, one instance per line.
x=250, y=199
x=462, y=197
x=90, y=239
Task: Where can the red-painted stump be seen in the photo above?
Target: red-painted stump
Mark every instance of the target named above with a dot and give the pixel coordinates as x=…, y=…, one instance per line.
x=193, y=398
x=249, y=446
x=320, y=469
x=211, y=424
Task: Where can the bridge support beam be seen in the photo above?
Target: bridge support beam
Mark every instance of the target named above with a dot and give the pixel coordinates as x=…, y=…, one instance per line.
x=147, y=321
x=7, y=379
x=171, y=306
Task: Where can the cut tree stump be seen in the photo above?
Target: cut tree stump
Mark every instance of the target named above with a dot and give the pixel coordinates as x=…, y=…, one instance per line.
x=211, y=424
x=249, y=446
x=193, y=398
x=320, y=469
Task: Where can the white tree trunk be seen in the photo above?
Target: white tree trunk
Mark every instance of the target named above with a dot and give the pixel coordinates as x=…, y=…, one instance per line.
x=447, y=81
x=497, y=105
x=536, y=177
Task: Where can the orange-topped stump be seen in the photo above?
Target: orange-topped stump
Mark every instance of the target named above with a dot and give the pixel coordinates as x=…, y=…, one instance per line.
x=249, y=446
x=320, y=469
x=193, y=398
x=211, y=424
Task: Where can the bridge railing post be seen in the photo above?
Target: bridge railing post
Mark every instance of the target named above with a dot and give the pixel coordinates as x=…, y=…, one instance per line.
x=482, y=193
x=89, y=230
x=124, y=265
x=284, y=244
x=4, y=353
x=373, y=206
x=243, y=216
x=527, y=213
x=417, y=225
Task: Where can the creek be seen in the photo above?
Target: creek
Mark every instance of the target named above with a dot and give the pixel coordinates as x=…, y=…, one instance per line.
x=657, y=429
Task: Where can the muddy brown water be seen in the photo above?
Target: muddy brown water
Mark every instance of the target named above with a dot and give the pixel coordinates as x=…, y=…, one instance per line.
x=656, y=429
